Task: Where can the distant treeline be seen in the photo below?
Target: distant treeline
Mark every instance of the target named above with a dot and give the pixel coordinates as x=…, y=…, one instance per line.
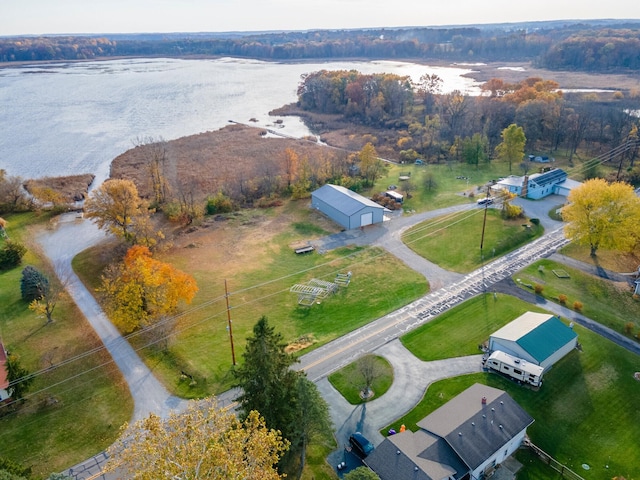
x=590, y=47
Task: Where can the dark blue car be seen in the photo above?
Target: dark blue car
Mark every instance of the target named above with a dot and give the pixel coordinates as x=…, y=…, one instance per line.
x=360, y=445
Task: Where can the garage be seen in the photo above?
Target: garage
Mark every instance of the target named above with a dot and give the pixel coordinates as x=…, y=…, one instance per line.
x=345, y=207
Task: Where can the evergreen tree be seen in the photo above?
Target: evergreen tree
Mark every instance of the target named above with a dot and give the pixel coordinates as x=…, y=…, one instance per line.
x=33, y=284
x=267, y=383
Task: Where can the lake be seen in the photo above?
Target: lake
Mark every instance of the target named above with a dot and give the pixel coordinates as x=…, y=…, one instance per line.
x=70, y=118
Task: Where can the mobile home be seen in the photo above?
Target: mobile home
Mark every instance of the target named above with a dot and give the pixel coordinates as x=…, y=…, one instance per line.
x=515, y=368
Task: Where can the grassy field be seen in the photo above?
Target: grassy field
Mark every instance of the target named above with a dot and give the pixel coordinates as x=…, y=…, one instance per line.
x=350, y=380
x=448, y=190
x=73, y=410
x=459, y=331
x=584, y=412
x=609, y=303
x=453, y=241
x=253, y=252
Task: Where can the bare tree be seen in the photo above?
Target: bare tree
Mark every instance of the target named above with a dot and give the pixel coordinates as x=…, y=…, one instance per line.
x=369, y=369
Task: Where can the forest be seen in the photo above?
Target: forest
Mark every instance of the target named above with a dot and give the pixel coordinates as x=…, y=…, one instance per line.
x=598, y=46
x=421, y=122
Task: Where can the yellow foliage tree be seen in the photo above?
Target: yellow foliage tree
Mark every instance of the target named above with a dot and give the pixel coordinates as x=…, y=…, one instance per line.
x=204, y=442
x=114, y=206
x=371, y=166
x=601, y=214
x=142, y=289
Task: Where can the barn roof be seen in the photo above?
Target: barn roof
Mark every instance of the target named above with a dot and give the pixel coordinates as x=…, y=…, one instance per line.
x=343, y=199
x=539, y=334
x=546, y=339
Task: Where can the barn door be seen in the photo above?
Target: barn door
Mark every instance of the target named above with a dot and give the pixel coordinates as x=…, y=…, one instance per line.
x=366, y=219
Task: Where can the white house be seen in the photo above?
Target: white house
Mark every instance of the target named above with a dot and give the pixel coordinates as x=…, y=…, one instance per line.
x=465, y=439
x=538, y=185
x=345, y=207
x=539, y=338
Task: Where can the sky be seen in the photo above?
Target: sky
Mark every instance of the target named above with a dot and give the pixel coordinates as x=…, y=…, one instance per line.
x=38, y=17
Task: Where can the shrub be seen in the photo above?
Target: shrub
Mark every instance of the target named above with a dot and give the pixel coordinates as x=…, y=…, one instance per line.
x=577, y=306
x=562, y=298
x=538, y=288
x=33, y=284
x=219, y=203
x=535, y=221
x=11, y=254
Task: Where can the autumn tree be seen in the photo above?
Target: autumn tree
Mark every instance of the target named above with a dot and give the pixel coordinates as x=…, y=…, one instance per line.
x=512, y=147
x=291, y=164
x=204, y=442
x=141, y=290
x=601, y=214
x=114, y=207
x=51, y=291
x=371, y=167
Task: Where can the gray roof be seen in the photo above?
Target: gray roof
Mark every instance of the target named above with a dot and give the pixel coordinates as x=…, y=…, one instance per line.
x=476, y=430
x=415, y=456
x=343, y=199
x=553, y=176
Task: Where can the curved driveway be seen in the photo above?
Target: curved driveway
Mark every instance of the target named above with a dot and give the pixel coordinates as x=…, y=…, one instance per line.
x=412, y=376
x=60, y=245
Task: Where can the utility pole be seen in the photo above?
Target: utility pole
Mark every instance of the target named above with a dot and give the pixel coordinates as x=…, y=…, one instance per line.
x=484, y=223
x=226, y=296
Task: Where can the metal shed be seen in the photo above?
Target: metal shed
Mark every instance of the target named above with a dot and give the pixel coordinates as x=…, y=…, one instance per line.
x=539, y=338
x=345, y=207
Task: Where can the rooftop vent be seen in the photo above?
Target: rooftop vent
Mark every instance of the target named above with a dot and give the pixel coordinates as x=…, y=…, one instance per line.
x=484, y=416
x=459, y=434
x=398, y=452
x=473, y=424
x=501, y=402
x=500, y=426
x=493, y=409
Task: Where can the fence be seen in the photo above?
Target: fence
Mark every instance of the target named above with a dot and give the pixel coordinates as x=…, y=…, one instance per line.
x=565, y=471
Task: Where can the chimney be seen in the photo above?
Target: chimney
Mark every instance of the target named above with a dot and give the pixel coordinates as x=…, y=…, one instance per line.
x=484, y=400
x=525, y=183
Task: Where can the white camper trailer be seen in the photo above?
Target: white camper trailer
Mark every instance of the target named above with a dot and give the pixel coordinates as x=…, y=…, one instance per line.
x=515, y=368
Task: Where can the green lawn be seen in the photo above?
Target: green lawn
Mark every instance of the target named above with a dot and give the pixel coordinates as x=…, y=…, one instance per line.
x=449, y=189
x=584, y=413
x=202, y=348
x=453, y=241
x=72, y=411
x=350, y=380
x=608, y=303
x=461, y=330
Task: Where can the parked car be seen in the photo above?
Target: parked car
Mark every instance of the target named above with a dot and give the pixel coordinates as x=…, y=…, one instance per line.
x=360, y=445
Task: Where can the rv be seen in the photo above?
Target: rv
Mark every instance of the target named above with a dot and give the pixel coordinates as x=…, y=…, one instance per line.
x=515, y=368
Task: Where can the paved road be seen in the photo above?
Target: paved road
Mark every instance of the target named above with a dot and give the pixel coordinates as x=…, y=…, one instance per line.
x=448, y=289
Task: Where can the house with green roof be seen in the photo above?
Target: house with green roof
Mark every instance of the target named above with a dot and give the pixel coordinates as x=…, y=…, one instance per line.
x=538, y=338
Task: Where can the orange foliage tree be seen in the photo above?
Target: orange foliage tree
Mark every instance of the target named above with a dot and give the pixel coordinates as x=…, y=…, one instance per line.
x=141, y=290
